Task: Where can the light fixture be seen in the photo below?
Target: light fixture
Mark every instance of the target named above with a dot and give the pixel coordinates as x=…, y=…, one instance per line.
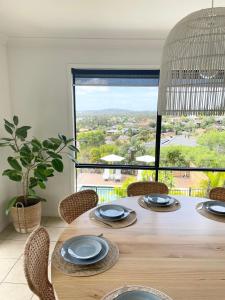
x=192, y=73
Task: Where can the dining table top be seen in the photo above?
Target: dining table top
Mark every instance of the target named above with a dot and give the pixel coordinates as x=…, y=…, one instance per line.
x=180, y=253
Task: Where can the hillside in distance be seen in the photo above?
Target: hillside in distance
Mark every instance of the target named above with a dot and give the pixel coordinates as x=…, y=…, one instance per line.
x=114, y=111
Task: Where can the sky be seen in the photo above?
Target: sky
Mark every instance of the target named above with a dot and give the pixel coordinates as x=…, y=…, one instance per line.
x=116, y=97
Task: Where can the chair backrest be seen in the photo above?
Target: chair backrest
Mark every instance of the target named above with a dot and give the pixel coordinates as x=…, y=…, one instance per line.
x=75, y=205
x=146, y=187
x=36, y=264
x=217, y=193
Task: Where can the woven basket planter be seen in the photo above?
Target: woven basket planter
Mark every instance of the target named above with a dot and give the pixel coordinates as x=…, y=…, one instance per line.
x=26, y=219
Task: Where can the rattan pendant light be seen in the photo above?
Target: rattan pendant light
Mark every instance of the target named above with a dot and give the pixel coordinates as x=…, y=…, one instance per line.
x=192, y=74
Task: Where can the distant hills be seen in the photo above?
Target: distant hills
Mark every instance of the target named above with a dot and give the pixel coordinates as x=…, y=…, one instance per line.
x=113, y=111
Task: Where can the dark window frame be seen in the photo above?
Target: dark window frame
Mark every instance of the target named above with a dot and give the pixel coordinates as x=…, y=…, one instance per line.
x=156, y=167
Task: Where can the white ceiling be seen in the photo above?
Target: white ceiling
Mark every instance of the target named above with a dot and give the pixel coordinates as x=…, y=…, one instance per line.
x=95, y=18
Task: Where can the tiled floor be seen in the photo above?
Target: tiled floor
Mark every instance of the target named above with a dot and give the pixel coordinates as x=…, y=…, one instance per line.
x=12, y=280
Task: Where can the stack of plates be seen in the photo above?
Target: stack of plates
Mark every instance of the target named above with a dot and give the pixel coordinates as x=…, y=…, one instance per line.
x=159, y=200
x=84, y=250
x=112, y=212
x=215, y=207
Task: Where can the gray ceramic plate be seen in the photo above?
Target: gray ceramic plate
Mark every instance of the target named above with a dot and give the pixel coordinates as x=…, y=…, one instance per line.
x=159, y=200
x=111, y=211
x=73, y=260
x=124, y=216
x=137, y=295
x=215, y=207
x=84, y=247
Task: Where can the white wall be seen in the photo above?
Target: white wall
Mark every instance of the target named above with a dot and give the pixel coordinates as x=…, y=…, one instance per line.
x=39, y=71
x=7, y=188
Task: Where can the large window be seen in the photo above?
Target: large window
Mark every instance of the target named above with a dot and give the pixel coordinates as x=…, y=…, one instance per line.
x=121, y=138
x=193, y=141
x=116, y=117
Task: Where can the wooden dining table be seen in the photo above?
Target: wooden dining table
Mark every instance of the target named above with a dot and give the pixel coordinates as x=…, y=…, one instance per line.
x=180, y=253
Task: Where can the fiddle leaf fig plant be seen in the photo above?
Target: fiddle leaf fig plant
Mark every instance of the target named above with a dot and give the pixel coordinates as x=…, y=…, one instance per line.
x=33, y=161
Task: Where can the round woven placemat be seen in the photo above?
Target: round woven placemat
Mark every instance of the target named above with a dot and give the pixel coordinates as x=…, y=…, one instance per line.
x=131, y=219
x=84, y=271
x=202, y=211
x=173, y=207
x=112, y=295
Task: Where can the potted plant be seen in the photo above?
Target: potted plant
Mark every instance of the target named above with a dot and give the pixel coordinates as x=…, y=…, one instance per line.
x=32, y=163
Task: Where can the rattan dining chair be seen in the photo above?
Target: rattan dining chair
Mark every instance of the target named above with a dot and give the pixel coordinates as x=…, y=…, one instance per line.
x=146, y=187
x=75, y=205
x=36, y=264
x=217, y=193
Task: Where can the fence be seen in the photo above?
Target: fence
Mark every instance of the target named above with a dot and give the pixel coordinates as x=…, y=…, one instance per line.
x=107, y=193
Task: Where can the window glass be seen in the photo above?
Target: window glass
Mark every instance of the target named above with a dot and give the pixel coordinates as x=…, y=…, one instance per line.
x=116, y=119
x=110, y=184
x=193, y=141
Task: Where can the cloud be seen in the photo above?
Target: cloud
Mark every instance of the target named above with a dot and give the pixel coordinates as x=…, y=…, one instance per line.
x=88, y=89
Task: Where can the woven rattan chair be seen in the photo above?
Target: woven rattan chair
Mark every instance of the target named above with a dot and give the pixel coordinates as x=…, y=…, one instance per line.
x=217, y=193
x=146, y=187
x=36, y=264
x=75, y=205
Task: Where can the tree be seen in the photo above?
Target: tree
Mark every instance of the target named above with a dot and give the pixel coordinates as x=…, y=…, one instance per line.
x=213, y=140
x=174, y=156
x=97, y=152
x=164, y=176
x=121, y=191
x=33, y=162
x=91, y=138
x=215, y=179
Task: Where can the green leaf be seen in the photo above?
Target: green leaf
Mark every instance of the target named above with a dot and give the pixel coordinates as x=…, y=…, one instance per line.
x=15, y=177
x=40, y=175
x=41, y=185
x=57, y=164
x=36, y=143
x=12, y=174
x=55, y=140
x=73, y=148
x=7, y=172
x=10, y=204
x=47, y=144
x=33, y=182
x=14, y=163
x=26, y=152
x=22, y=132
x=15, y=120
x=9, y=124
x=62, y=138
x=8, y=129
x=53, y=154
x=56, y=143
x=70, y=140
x=49, y=172
x=24, y=162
